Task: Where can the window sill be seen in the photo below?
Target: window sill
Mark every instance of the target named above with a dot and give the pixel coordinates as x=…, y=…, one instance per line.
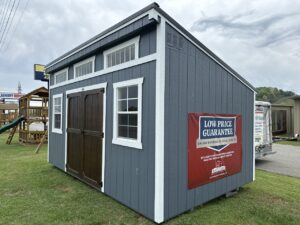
x=57, y=131
x=127, y=143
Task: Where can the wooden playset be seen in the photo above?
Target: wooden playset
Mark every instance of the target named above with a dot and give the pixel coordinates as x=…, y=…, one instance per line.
x=34, y=108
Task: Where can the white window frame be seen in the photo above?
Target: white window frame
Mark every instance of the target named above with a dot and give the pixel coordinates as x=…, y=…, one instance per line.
x=126, y=141
x=135, y=41
x=91, y=59
x=55, y=130
x=58, y=72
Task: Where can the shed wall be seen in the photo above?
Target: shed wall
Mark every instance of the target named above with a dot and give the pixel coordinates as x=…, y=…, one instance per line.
x=129, y=172
x=196, y=83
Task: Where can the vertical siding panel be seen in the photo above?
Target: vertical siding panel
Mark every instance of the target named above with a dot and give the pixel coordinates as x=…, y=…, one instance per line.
x=129, y=172
x=212, y=105
x=144, y=45
x=182, y=134
x=173, y=154
x=167, y=162
x=219, y=184
x=152, y=41
x=210, y=88
x=191, y=102
x=143, y=160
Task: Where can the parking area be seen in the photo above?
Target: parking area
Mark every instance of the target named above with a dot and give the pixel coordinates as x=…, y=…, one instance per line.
x=286, y=161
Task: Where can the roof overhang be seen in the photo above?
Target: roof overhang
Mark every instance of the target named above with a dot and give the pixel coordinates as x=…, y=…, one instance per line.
x=154, y=12
x=295, y=97
x=97, y=42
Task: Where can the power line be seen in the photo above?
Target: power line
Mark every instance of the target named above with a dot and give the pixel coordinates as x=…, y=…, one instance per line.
x=7, y=21
x=15, y=28
x=10, y=25
x=4, y=14
x=3, y=6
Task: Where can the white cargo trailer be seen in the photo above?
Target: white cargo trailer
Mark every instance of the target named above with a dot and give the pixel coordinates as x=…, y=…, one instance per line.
x=263, y=129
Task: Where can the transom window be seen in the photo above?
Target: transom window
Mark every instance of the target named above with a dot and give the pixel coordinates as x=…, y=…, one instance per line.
x=122, y=53
x=57, y=114
x=84, y=67
x=128, y=113
x=61, y=76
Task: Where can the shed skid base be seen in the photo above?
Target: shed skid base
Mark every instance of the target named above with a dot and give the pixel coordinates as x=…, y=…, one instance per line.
x=232, y=193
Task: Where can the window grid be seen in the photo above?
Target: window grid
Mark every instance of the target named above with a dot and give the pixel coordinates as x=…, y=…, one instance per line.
x=60, y=77
x=127, y=119
x=120, y=56
x=84, y=68
x=57, y=113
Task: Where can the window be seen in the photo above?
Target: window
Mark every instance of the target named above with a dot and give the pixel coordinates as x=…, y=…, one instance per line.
x=61, y=76
x=122, y=53
x=128, y=113
x=84, y=67
x=57, y=114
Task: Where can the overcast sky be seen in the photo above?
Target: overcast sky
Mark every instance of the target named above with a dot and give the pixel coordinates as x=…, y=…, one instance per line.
x=259, y=39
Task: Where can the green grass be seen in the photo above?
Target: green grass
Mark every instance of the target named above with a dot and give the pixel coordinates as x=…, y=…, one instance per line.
x=34, y=192
x=294, y=143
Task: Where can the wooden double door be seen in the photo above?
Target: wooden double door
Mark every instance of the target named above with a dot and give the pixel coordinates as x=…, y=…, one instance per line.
x=85, y=136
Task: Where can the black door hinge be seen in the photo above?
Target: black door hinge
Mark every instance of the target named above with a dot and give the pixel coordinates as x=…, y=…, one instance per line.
x=102, y=135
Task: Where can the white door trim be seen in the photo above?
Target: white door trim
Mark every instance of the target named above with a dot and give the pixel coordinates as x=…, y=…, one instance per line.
x=88, y=88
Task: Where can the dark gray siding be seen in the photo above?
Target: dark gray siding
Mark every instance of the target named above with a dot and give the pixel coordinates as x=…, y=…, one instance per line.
x=129, y=172
x=116, y=37
x=147, y=46
x=70, y=72
x=196, y=83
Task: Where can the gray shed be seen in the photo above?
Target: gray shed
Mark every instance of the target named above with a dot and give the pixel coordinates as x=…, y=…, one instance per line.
x=147, y=114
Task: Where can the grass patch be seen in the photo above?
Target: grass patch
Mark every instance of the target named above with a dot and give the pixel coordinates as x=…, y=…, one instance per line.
x=293, y=143
x=34, y=192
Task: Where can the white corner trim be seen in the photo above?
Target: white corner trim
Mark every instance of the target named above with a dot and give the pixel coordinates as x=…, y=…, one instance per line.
x=122, y=66
x=55, y=130
x=124, y=141
x=254, y=109
x=103, y=36
x=49, y=115
x=59, y=72
x=159, y=123
x=87, y=60
x=88, y=88
x=135, y=41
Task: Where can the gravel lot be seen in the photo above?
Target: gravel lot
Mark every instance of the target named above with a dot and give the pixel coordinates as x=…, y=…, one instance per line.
x=285, y=161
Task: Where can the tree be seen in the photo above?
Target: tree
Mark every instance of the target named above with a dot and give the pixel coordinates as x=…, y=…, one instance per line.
x=271, y=94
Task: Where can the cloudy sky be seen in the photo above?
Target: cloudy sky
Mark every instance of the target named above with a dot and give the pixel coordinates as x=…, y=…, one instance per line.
x=259, y=39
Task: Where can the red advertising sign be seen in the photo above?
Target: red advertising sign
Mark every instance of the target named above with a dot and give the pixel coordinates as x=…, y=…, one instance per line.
x=214, y=147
